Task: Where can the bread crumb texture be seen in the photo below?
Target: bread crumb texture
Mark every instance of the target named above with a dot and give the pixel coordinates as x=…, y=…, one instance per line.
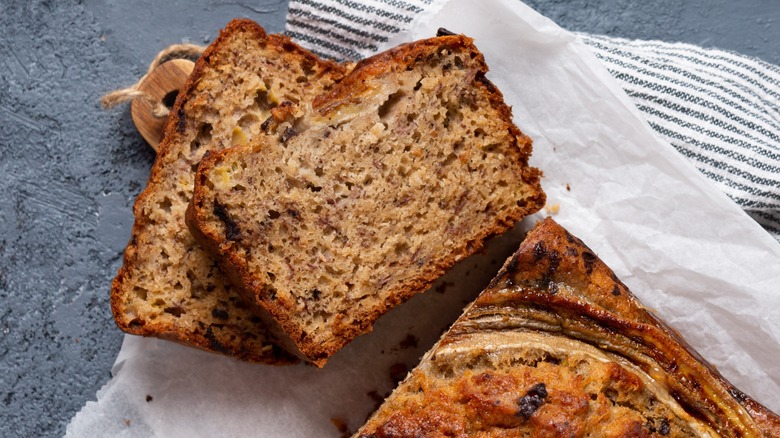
x=526, y=392
x=405, y=167
x=169, y=286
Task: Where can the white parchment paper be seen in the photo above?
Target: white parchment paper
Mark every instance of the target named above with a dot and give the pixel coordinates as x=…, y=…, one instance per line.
x=682, y=247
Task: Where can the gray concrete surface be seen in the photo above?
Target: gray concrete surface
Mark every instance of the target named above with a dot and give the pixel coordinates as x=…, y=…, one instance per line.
x=72, y=170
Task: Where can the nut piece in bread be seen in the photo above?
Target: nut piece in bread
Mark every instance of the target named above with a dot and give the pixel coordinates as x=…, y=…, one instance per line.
x=362, y=200
x=558, y=346
x=169, y=287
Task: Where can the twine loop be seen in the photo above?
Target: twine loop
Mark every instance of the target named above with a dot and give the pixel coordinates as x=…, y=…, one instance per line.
x=159, y=110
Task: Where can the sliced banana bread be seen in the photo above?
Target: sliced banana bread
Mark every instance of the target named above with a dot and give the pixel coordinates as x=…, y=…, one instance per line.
x=169, y=287
x=558, y=346
x=354, y=205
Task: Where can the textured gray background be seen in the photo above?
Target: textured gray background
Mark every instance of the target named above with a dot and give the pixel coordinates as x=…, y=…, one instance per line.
x=72, y=170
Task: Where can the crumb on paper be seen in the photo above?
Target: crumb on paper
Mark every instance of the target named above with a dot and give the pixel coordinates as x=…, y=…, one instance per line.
x=410, y=341
x=377, y=398
x=441, y=288
x=127, y=422
x=341, y=426
x=568, y=187
x=149, y=398
x=397, y=372
x=552, y=208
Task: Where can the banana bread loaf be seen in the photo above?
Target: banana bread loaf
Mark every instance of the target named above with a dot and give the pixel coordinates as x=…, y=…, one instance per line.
x=357, y=203
x=558, y=346
x=169, y=287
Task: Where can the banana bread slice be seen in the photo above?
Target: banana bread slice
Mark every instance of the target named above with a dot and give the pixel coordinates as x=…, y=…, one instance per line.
x=558, y=346
x=361, y=201
x=169, y=287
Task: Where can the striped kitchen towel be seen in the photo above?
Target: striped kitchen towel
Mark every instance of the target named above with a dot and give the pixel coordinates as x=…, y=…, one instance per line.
x=720, y=110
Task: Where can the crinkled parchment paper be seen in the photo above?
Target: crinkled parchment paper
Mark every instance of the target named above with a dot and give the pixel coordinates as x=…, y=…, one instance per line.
x=683, y=248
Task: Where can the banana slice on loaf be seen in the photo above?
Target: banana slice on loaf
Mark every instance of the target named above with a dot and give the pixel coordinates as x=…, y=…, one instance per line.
x=361, y=200
x=169, y=287
x=558, y=346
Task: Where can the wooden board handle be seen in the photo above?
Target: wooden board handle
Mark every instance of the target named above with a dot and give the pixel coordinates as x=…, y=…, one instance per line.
x=161, y=85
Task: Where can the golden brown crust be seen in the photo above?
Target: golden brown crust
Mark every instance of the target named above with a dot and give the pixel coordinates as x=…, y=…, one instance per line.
x=554, y=303
x=354, y=86
x=358, y=86
x=238, y=343
x=600, y=306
